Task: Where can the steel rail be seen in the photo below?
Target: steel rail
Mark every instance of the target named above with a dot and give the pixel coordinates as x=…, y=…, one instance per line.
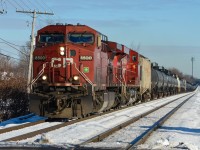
x=20, y=126
x=105, y=134
x=34, y=133
x=144, y=136
x=48, y=129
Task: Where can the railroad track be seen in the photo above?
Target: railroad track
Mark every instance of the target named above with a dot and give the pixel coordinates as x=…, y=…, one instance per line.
x=48, y=129
x=96, y=138
x=143, y=136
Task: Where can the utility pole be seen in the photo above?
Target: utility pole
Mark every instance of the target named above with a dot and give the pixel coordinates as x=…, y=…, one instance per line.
x=192, y=59
x=32, y=44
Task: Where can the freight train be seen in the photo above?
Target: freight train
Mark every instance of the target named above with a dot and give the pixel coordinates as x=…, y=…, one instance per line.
x=77, y=71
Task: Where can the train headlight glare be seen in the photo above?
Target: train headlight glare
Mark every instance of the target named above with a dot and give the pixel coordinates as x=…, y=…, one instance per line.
x=76, y=78
x=62, y=53
x=62, y=48
x=44, y=77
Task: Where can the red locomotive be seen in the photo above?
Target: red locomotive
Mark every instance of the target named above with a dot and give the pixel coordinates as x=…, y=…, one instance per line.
x=77, y=71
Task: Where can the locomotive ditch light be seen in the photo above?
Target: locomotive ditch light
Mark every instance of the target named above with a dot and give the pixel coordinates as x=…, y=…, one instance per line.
x=44, y=77
x=62, y=51
x=76, y=78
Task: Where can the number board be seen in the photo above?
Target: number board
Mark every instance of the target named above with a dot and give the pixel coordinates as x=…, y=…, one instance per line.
x=86, y=58
x=39, y=58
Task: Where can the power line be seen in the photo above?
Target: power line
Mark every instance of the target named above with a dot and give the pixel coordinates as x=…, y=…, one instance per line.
x=46, y=5
x=39, y=4
x=11, y=43
x=7, y=51
x=11, y=4
x=11, y=57
x=33, y=4
x=18, y=4
x=7, y=43
x=25, y=4
x=2, y=11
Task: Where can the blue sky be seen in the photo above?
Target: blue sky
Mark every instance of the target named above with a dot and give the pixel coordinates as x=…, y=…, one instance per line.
x=165, y=31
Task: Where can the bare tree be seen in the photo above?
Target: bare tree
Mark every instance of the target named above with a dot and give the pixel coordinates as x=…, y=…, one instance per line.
x=135, y=47
x=24, y=59
x=188, y=78
x=177, y=72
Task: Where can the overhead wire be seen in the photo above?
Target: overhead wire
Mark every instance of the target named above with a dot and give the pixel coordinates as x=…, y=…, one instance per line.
x=33, y=4
x=2, y=7
x=46, y=5
x=43, y=3
x=12, y=4
x=6, y=7
x=8, y=52
x=18, y=4
x=5, y=42
x=25, y=4
x=11, y=57
x=11, y=43
x=40, y=4
x=29, y=4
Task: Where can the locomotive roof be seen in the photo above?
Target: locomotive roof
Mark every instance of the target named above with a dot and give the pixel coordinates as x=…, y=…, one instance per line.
x=67, y=25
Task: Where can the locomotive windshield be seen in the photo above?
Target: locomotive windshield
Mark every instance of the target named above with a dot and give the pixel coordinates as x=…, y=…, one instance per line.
x=81, y=38
x=52, y=38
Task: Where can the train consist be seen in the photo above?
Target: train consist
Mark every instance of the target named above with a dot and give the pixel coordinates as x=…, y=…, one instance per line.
x=77, y=71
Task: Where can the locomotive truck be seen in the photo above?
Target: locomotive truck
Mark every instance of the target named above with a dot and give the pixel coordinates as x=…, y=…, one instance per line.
x=78, y=71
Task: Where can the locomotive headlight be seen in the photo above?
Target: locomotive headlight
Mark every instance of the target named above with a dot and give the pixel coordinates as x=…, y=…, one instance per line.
x=76, y=78
x=62, y=48
x=44, y=77
x=62, y=51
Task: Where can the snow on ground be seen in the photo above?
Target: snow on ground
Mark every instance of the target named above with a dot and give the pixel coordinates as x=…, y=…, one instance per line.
x=181, y=131
x=123, y=137
x=20, y=120
x=14, y=133
x=82, y=131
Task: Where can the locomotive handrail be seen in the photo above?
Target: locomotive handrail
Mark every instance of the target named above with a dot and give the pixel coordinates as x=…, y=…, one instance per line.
x=118, y=79
x=39, y=74
x=84, y=76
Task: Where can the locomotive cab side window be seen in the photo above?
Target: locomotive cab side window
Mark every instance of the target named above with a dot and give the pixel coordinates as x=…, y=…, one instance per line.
x=134, y=58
